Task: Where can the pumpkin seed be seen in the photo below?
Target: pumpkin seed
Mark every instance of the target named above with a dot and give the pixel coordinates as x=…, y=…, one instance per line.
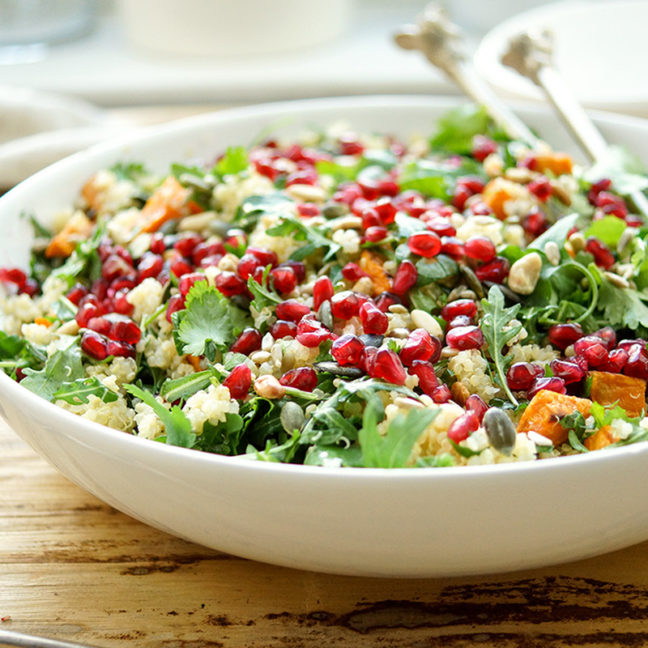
x=372, y=340
x=500, y=430
x=325, y=315
x=338, y=370
x=292, y=417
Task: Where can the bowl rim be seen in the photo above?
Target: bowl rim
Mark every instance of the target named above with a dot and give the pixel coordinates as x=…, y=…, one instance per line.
x=128, y=441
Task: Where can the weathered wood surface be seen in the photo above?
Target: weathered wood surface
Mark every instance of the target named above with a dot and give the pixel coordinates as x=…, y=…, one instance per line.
x=73, y=568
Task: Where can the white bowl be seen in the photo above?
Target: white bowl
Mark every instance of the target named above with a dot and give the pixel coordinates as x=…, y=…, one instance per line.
x=403, y=522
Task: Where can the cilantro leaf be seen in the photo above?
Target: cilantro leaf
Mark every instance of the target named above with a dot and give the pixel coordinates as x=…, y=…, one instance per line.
x=253, y=207
x=63, y=366
x=315, y=237
x=608, y=229
x=493, y=324
x=176, y=424
x=262, y=296
x=457, y=128
x=234, y=161
x=76, y=392
x=132, y=171
x=622, y=307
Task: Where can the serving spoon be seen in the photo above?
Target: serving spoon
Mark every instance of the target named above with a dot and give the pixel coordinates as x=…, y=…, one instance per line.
x=11, y=638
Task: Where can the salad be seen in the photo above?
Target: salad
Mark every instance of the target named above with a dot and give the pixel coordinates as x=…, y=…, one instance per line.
x=346, y=299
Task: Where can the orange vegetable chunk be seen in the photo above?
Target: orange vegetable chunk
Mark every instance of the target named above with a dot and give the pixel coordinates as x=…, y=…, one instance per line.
x=372, y=264
x=495, y=195
x=77, y=229
x=168, y=201
x=557, y=163
x=543, y=414
x=600, y=439
x=608, y=389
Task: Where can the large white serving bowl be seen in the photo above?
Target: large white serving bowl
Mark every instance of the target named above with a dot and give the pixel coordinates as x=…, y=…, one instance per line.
x=403, y=522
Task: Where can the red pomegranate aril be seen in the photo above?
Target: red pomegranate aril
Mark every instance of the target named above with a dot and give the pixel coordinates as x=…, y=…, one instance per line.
x=121, y=304
x=375, y=234
x=284, y=280
x=297, y=267
x=420, y=345
x=385, y=300
x=205, y=249
x=30, y=287
x=475, y=403
x=441, y=394
x=123, y=253
x=535, y=223
x=460, y=196
x=348, y=350
x=550, y=384
x=482, y=147
x=405, y=278
x=541, y=188
x=125, y=330
x=176, y=303
x=114, y=266
x=593, y=349
x=13, y=275
x=425, y=244
x=186, y=283
x=345, y=305
x=564, y=335
x=308, y=210
x=99, y=325
x=480, y=208
x=349, y=145
x=249, y=340
x=480, y=248
x=608, y=335
x=616, y=361
x=86, y=312
x=180, y=267
x=387, y=366
x=520, y=375
x=247, y=266
x=627, y=344
x=374, y=321
x=452, y=247
x=440, y=226
x=157, y=244
x=76, y=293
x=388, y=188
x=267, y=257
x=99, y=288
x=570, y=372
x=465, y=337
x=94, y=345
x=385, y=209
x=235, y=238
x=463, y=426
x=322, y=290
x=352, y=272
x=311, y=333
x=230, y=284
x=370, y=218
x=474, y=184
x=601, y=253
x=459, y=307
x=291, y=310
x=637, y=364
x=239, y=381
x=121, y=349
x=597, y=187
x=496, y=270
x=187, y=243
x=427, y=378
x=610, y=204
x=282, y=328
x=150, y=265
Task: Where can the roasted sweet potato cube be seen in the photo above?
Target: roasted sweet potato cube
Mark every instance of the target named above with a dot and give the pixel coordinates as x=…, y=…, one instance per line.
x=608, y=389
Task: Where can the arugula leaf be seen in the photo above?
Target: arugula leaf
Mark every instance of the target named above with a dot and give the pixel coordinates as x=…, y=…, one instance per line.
x=223, y=438
x=176, y=424
x=440, y=268
x=493, y=324
x=621, y=307
x=234, y=161
x=177, y=388
x=332, y=455
x=262, y=296
x=556, y=233
x=457, y=128
x=428, y=178
x=76, y=392
x=208, y=323
x=132, y=171
x=83, y=259
x=316, y=239
x=394, y=448
x=63, y=366
x=608, y=229
x=253, y=207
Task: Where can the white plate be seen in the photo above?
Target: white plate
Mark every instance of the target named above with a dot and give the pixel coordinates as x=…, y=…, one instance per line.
x=402, y=522
x=600, y=47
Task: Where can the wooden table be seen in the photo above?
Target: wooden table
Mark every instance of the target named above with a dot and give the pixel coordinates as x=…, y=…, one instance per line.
x=73, y=568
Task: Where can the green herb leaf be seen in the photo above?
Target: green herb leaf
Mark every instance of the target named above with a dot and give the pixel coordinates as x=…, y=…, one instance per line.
x=78, y=391
x=177, y=388
x=625, y=170
x=556, y=233
x=176, y=424
x=63, y=366
x=131, y=171
x=437, y=269
x=262, y=296
x=253, y=207
x=622, y=307
x=457, y=128
x=316, y=238
x=234, y=161
x=608, y=229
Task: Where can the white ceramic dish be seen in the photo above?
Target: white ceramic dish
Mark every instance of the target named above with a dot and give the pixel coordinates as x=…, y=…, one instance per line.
x=600, y=47
x=403, y=522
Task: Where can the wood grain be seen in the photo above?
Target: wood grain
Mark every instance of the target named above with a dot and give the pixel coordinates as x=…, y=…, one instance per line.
x=73, y=568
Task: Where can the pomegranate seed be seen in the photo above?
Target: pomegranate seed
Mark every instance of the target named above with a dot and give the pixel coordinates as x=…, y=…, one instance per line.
x=441, y=227
x=308, y=210
x=205, y=249
x=472, y=183
x=291, y=310
x=610, y=204
x=374, y=321
x=187, y=281
x=601, y=253
x=541, y=189
x=348, y=350
x=460, y=320
x=99, y=288
x=284, y=280
x=303, y=378
x=376, y=233
x=420, y=345
x=480, y=248
x=452, y=247
x=405, y=277
x=461, y=195
x=535, y=223
x=105, y=249
x=267, y=257
x=209, y=261
x=114, y=266
x=463, y=426
x=349, y=145
x=86, y=312
x=480, y=208
x=247, y=266
x=563, y=335
x=608, y=335
x=352, y=272
x=187, y=243
x=385, y=300
x=297, y=267
x=496, y=270
x=616, y=361
x=626, y=344
x=345, y=305
x=121, y=349
x=596, y=189
x=176, y=303
x=581, y=361
x=76, y=293
x=370, y=218
x=465, y=337
x=424, y=371
x=99, y=325
x=157, y=244
x=94, y=345
x=180, y=267
x=441, y=394
x=387, y=366
x=124, y=330
x=550, y=384
x=593, y=349
x=570, y=372
x=123, y=253
x=386, y=210
x=482, y=147
x=13, y=275
x=459, y=307
x=347, y=193
x=257, y=276
x=475, y=403
x=311, y=333
x=121, y=304
x=388, y=188
x=425, y=244
x=282, y=328
x=230, y=284
x=150, y=265
x=249, y=340
x=322, y=290
x=239, y=381
x=521, y=375
x=30, y=287
x=235, y=239
x=637, y=364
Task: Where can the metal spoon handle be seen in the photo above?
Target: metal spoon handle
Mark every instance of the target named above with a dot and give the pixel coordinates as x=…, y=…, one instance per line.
x=437, y=38
x=11, y=638
x=532, y=56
